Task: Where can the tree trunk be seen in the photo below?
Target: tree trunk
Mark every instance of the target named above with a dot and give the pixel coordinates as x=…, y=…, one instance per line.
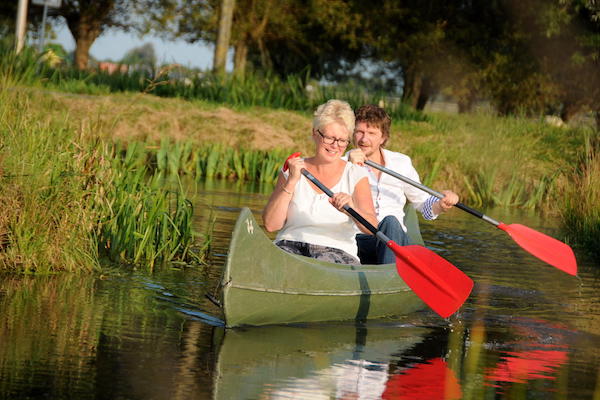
x=413, y=82
x=85, y=31
x=223, y=36
x=426, y=92
x=265, y=58
x=240, y=59
x=82, y=52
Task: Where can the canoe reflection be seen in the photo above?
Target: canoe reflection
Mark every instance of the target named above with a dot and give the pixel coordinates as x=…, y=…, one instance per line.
x=313, y=362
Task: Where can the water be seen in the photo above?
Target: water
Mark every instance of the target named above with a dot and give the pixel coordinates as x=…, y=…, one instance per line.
x=527, y=331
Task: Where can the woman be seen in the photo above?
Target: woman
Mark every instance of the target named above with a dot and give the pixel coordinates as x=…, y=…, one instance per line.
x=311, y=223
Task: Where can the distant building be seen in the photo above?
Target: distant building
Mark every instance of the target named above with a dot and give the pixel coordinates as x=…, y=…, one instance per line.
x=110, y=67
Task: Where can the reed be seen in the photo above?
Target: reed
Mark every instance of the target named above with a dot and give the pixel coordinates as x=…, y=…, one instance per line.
x=141, y=222
x=143, y=226
x=581, y=203
x=212, y=160
x=44, y=221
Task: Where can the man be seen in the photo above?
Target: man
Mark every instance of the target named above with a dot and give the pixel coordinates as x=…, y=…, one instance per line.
x=371, y=133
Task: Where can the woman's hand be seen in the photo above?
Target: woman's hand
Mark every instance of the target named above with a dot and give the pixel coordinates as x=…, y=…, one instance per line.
x=356, y=156
x=339, y=200
x=295, y=166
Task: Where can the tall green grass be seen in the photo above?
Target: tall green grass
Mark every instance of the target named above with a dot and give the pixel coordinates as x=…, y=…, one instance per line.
x=141, y=221
x=214, y=160
x=67, y=200
x=44, y=219
x=492, y=161
x=581, y=202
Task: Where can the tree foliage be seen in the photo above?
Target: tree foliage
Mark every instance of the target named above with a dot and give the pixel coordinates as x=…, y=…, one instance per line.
x=524, y=56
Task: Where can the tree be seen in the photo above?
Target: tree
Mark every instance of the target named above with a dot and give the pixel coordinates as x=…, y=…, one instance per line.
x=567, y=46
x=251, y=22
x=282, y=36
x=409, y=33
x=223, y=35
x=295, y=36
x=144, y=57
x=88, y=19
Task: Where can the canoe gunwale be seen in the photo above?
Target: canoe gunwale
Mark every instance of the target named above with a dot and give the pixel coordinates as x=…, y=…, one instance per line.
x=362, y=292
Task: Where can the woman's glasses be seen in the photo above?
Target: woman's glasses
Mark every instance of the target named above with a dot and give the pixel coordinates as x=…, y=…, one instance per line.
x=330, y=140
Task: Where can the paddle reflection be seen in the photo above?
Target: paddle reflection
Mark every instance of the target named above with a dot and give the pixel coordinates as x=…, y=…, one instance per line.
x=432, y=380
x=519, y=367
x=315, y=362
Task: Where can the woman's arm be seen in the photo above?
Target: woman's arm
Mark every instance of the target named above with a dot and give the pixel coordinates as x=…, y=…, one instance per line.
x=275, y=212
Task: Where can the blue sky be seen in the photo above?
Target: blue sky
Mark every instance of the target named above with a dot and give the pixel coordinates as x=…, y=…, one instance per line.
x=114, y=44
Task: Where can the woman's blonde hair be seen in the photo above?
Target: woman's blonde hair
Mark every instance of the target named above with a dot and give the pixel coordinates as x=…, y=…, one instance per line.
x=334, y=111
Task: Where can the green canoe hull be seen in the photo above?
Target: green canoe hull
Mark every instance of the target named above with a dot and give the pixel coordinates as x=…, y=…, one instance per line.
x=264, y=285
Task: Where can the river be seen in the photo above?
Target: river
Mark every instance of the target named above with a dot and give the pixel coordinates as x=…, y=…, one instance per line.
x=528, y=331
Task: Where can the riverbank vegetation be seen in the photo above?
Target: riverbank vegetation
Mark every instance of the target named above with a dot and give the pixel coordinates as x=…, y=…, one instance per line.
x=70, y=200
x=95, y=162
x=581, y=201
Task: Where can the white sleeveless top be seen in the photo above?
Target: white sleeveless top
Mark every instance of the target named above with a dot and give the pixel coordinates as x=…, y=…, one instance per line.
x=312, y=219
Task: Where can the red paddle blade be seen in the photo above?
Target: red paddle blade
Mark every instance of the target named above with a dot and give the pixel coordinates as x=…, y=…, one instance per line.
x=544, y=247
x=440, y=285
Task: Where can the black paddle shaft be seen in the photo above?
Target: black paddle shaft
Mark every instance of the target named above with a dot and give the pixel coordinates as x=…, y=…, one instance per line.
x=349, y=209
x=432, y=192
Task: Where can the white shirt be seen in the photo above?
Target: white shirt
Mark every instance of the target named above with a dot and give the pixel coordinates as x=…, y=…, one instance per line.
x=390, y=194
x=312, y=219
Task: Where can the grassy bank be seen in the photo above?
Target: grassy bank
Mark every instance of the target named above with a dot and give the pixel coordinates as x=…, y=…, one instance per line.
x=69, y=200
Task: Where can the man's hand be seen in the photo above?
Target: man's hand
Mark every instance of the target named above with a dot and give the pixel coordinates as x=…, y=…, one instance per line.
x=356, y=156
x=448, y=201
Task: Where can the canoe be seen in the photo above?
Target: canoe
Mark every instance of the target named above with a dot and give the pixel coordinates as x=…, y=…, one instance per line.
x=263, y=284
x=268, y=362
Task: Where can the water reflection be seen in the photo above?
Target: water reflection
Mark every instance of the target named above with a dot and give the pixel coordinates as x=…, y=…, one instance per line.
x=310, y=362
x=519, y=367
x=430, y=380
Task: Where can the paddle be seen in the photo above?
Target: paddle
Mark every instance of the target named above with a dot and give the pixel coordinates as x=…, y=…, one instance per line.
x=544, y=247
x=440, y=285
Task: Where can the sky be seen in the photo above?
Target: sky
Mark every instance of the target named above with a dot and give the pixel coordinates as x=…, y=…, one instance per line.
x=114, y=44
